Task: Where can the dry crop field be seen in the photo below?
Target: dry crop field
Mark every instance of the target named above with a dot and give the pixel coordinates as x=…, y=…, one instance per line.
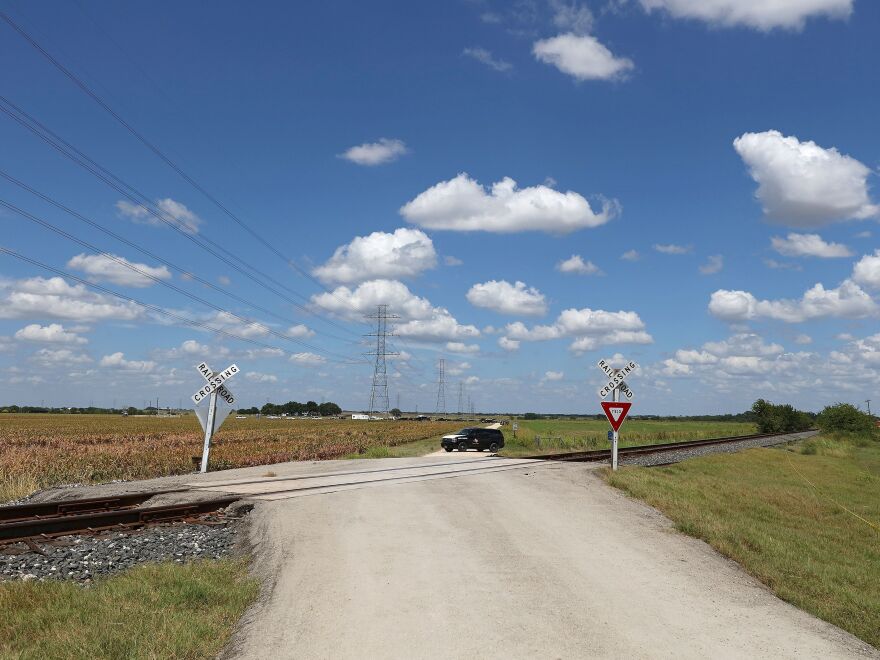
x=38, y=451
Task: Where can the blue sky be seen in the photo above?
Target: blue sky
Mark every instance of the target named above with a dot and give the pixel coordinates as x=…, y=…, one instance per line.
x=531, y=186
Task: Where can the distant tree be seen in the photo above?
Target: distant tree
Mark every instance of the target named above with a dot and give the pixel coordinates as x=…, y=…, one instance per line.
x=395, y=412
x=311, y=407
x=844, y=418
x=293, y=408
x=531, y=415
x=779, y=418
x=328, y=409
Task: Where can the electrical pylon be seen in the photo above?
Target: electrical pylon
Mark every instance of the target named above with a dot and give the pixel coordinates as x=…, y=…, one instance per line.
x=441, y=388
x=460, y=397
x=379, y=387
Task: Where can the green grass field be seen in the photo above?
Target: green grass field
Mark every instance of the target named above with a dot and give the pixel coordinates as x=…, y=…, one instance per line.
x=152, y=611
x=550, y=435
x=804, y=519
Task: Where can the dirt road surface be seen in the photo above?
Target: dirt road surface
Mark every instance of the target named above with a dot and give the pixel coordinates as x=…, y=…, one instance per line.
x=532, y=561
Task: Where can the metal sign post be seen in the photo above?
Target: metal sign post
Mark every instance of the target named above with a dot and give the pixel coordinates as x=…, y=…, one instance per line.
x=615, y=397
x=212, y=389
x=209, y=432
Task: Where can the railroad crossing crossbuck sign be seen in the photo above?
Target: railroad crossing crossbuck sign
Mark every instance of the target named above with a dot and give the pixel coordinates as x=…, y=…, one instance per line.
x=616, y=377
x=616, y=410
x=213, y=389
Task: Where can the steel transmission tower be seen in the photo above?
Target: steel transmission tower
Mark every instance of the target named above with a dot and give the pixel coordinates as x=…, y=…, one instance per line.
x=441, y=387
x=460, y=397
x=379, y=387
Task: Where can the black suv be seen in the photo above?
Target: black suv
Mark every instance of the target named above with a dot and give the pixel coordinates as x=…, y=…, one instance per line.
x=474, y=438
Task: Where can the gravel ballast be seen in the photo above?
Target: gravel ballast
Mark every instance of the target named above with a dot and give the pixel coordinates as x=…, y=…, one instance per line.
x=677, y=455
x=84, y=557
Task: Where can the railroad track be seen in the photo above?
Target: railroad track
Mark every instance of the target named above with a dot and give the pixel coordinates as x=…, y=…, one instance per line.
x=605, y=454
x=33, y=522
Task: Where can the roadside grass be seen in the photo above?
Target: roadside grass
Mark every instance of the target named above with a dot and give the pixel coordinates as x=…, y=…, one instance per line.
x=152, y=611
x=803, y=518
x=549, y=436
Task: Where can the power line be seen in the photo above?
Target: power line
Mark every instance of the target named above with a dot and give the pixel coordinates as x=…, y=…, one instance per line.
x=153, y=308
x=152, y=255
x=159, y=153
x=143, y=202
x=379, y=387
x=189, y=179
x=157, y=280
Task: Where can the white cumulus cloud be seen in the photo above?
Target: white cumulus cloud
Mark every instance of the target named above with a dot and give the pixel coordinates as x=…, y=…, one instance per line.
x=846, y=301
x=801, y=184
x=54, y=333
x=308, y=359
x=419, y=318
x=508, y=344
x=808, y=245
x=118, y=270
x=461, y=347
x=300, y=331
x=117, y=361
x=462, y=204
x=581, y=56
x=376, y=153
x=403, y=253
x=576, y=264
x=227, y=322
x=867, y=270
x=759, y=14
x=590, y=328
x=172, y=211
x=56, y=357
x=505, y=298
x=54, y=298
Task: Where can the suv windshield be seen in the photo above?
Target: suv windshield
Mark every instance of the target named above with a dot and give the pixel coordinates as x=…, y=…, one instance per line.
x=464, y=432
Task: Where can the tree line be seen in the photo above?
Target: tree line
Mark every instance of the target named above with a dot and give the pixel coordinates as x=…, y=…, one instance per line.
x=310, y=408
x=842, y=418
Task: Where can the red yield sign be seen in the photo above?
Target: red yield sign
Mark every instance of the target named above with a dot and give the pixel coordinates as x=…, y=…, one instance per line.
x=616, y=412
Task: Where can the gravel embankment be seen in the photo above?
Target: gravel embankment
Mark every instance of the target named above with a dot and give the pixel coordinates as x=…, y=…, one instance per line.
x=83, y=558
x=677, y=455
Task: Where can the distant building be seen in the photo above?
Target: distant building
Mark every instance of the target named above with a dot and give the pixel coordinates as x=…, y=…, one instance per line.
x=356, y=416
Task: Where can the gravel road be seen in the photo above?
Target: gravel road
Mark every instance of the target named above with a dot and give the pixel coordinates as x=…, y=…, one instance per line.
x=544, y=561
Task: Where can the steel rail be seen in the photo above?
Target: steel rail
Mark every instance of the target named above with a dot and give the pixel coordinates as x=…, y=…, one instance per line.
x=603, y=454
x=129, y=517
x=69, y=507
